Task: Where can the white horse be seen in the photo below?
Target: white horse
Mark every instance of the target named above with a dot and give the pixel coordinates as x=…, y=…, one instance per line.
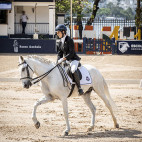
x=52, y=87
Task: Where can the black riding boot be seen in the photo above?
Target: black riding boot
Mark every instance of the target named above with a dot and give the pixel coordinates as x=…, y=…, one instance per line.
x=77, y=81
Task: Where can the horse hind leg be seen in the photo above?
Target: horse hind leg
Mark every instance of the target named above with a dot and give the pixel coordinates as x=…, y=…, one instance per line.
x=116, y=125
x=92, y=108
x=106, y=90
x=109, y=106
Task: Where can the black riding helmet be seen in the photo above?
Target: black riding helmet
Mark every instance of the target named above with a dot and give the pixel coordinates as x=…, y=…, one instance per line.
x=61, y=28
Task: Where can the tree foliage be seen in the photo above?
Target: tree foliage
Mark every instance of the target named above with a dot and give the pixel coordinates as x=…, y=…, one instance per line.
x=78, y=6
x=138, y=16
x=62, y=6
x=116, y=11
x=82, y=7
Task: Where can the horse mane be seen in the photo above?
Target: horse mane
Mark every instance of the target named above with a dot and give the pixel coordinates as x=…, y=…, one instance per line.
x=41, y=59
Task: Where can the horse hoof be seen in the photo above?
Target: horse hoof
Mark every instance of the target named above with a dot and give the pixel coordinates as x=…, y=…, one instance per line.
x=117, y=125
x=66, y=134
x=37, y=125
x=90, y=129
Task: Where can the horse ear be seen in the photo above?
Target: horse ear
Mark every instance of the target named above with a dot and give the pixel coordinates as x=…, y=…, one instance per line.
x=21, y=59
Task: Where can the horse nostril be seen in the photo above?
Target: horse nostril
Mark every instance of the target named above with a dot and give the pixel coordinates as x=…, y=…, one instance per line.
x=29, y=83
x=25, y=85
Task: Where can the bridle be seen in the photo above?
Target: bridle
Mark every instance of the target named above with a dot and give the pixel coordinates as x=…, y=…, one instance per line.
x=28, y=73
x=39, y=78
x=36, y=79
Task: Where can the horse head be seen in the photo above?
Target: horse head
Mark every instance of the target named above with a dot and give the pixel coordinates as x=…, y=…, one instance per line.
x=26, y=72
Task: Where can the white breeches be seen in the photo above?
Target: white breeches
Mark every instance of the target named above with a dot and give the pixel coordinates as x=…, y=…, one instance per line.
x=74, y=65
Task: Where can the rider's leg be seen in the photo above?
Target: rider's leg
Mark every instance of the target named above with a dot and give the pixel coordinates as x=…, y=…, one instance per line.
x=77, y=81
x=74, y=65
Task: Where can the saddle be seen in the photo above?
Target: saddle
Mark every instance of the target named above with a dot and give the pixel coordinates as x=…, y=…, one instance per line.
x=84, y=76
x=68, y=71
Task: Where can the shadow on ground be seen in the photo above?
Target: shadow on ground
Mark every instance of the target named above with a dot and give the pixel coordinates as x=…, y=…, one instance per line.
x=122, y=133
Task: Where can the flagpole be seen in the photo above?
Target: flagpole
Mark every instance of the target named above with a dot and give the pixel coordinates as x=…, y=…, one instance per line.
x=71, y=17
x=35, y=17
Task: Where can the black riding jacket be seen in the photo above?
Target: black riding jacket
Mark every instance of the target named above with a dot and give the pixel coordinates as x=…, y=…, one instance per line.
x=67, y=50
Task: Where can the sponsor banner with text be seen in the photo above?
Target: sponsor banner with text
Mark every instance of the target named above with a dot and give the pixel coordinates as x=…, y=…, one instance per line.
x=129, y=47
x=27, y=46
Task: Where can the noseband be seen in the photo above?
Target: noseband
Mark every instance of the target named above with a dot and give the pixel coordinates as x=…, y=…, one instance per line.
x=28, y=73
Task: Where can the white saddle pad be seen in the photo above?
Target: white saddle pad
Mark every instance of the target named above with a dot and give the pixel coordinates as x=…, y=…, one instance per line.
x=86, y=78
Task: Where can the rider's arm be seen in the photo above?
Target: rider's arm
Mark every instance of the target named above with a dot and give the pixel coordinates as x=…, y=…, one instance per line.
x=60, y=52
x=71, y=50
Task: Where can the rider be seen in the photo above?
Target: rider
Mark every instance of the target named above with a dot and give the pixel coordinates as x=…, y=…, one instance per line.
x=66, y=52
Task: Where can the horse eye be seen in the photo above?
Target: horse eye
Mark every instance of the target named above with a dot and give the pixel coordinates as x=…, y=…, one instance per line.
x=23, y=69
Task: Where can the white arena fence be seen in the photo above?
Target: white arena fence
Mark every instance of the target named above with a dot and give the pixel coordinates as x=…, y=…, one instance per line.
x=99, y=24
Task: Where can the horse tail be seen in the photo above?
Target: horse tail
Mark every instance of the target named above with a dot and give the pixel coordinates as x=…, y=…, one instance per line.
x=106, y=90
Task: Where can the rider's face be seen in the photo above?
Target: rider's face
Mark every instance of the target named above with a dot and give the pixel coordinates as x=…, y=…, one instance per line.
x=59, y=34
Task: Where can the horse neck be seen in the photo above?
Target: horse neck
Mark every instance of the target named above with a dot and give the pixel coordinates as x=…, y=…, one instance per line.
x=39, y=67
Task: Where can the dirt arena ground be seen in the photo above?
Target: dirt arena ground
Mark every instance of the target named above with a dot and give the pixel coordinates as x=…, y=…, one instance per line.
x=16, y=105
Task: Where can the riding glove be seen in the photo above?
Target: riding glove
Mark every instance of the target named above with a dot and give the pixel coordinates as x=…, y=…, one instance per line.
x=60, y=60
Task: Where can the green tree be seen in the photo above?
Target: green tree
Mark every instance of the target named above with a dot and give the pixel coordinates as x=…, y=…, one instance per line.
x=62, y=6
x=130, y=14
x=77, y=7
x=104, y=12
x=138, y=16
x=116, y=11
x=110, y=5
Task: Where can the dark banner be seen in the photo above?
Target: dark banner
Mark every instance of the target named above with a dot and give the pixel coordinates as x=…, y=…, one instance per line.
x=129, y=47
x=33, y=0
x=27, y=46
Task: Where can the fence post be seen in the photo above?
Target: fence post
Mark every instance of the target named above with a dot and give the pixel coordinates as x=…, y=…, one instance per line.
x=84, y=45
x=113, y=47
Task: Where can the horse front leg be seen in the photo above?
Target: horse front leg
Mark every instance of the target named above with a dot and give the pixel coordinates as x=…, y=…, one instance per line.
x=43, y=100
x=65, y=110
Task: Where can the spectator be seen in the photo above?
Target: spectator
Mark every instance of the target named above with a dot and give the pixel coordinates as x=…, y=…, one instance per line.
x=23, y=21
x=80, y=28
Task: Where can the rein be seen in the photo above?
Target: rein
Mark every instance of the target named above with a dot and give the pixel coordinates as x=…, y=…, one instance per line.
x=66, y=81
x=64, y=76
x=39, y=78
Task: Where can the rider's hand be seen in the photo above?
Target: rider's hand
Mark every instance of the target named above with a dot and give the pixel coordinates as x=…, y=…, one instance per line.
x=60, y=60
